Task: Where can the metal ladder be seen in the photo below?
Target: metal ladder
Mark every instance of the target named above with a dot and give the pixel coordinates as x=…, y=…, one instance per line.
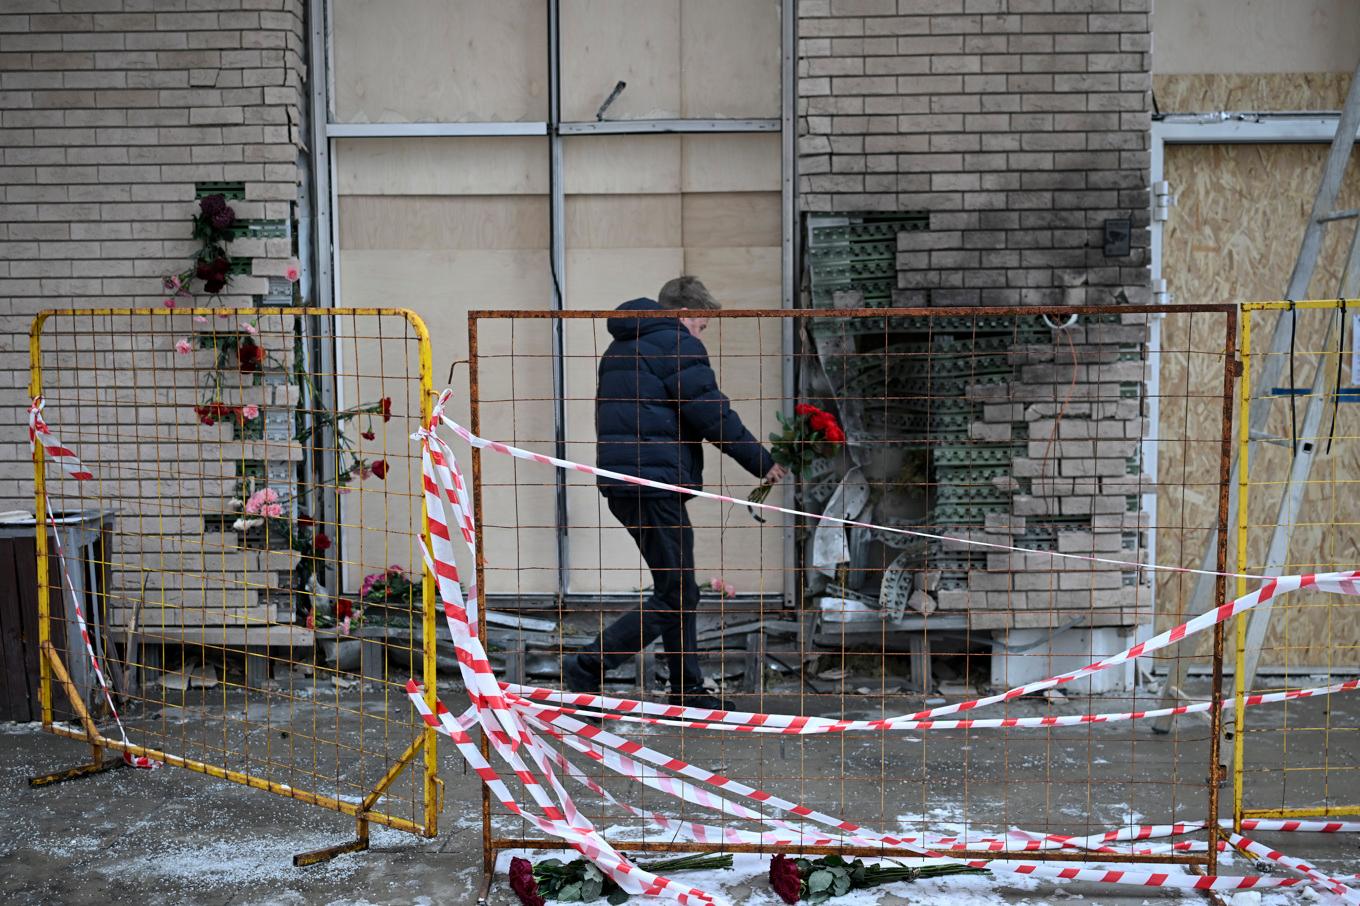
x=1268, y=375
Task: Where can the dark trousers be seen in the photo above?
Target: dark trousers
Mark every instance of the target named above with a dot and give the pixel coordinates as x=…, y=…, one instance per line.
x=660, y=525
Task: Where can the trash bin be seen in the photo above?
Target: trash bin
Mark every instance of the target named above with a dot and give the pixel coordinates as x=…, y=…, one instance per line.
x=85, y=540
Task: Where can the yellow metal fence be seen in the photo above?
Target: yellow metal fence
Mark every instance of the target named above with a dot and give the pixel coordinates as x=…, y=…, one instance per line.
x=1298, y=512
x=258, y=600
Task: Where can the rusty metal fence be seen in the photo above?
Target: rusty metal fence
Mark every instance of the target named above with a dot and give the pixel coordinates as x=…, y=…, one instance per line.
x=259, y=600
x=1011, y=472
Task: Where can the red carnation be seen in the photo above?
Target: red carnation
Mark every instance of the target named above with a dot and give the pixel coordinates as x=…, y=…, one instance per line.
x=249, y=356
x=205, y=415
x=387, y=408
x=321, y=542
x=367, y=435
x=304, y=520
x=344, y=607
x=523, y=884
x=214, y=273
x=784, y=878
x=379, y=468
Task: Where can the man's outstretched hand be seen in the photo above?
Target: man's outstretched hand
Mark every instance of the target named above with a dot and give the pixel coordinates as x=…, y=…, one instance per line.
x=775, y=475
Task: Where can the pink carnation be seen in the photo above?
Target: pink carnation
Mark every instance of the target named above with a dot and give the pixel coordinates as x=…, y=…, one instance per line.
x=184, y=347
x=250, y=412
x=260, y=499
x=251, y=329
x=293, y=271
x=169, y=303
x=273, y=510
x=199, y=319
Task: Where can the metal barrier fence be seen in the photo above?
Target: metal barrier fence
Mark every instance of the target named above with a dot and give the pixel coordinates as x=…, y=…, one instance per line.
x=260, y=598
x=1299, y=442
x=1008, y=490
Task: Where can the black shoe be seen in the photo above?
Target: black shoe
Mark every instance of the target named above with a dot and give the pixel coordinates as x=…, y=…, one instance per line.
x=578, y=677
x=700, y=698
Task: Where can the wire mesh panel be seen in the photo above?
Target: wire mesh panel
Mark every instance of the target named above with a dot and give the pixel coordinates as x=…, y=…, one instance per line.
x=1300, y=442
x=259, y=600
x=987, y=521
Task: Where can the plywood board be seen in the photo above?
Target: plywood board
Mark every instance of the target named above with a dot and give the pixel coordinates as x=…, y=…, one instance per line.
x=731, y=163
x=443, y=221
x=515, y=165
x=440, y=61
x=605, y=41
x=1259, y=36
x=731, y=219
x=1276, y=91
x=1227, y=240
x=621, y=164
x=623, y=221
x=441, y=286
x=729, y=58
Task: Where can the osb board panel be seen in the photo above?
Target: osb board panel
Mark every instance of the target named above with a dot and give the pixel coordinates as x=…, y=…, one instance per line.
x=441, y=286
x=443, y=221
x=1229, y=240
x=690, y=58
x=1205, y=92
x=423, y=61
x=516, y=165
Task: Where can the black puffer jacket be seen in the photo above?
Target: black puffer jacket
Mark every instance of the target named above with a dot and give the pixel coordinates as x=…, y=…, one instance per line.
x=657, y=400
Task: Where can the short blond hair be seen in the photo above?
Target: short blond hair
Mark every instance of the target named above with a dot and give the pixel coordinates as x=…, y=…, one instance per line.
x=686, y=292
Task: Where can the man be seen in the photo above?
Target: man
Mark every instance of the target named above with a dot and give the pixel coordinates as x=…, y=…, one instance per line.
x=657, y=401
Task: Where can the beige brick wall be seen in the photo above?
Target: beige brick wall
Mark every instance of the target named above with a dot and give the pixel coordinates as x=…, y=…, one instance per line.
x=110, y=112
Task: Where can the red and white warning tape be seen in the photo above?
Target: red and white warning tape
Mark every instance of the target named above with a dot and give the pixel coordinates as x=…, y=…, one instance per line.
x=39, y=433
x=521, y=719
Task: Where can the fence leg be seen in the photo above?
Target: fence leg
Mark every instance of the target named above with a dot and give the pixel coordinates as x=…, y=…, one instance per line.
x=360, y=843
x=97, y=763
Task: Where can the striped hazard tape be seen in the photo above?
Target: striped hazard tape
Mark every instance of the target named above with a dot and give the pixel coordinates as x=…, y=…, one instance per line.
x=523, y=723
x=39, y=433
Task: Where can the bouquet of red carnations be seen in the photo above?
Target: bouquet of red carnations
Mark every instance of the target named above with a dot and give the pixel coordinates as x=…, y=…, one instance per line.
x=819, y=880
x=812, y=433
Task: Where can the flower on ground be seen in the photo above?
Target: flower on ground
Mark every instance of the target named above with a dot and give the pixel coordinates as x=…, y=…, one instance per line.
x=250, y=412
x=344, y=626
x=343, y=608
x=784, y=878
x=321, y=542
x=184, y=347
x=293, y=271
x=311, y=620
x=523, y=884
x=380, y=468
